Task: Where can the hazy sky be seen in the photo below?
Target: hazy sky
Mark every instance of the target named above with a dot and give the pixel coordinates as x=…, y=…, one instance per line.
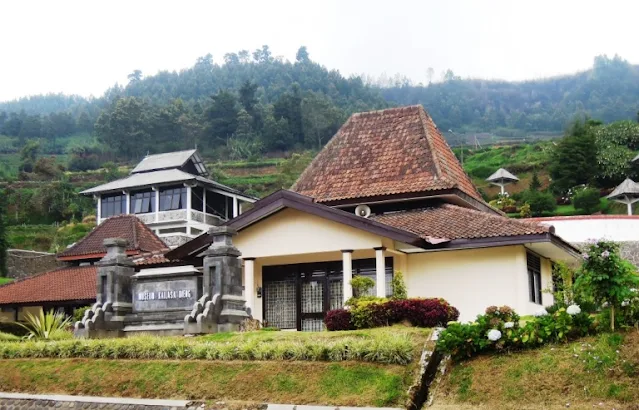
x=83, y=47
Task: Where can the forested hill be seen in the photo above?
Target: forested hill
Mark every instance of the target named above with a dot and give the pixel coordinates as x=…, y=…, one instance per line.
x=609, y=91
x=255, y=103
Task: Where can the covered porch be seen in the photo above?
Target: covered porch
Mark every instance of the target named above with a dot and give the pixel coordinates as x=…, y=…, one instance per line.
x=295, y=291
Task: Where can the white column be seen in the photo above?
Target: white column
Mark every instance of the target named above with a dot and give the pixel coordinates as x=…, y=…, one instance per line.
x=204, y=201
x=347, y=273
x=188, y=203
x=235, y=213
x=249, y=283
x=128, y=202
x=98, y=214
x=380, y=272
x=157, y=203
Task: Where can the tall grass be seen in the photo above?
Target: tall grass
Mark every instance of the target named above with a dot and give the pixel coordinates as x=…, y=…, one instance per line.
x=386, y=349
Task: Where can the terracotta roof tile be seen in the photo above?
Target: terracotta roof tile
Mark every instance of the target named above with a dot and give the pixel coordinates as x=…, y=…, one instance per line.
x=454, y=222
x=64, y=284
x=151, y=259
x=140, y=237
x=379, y=153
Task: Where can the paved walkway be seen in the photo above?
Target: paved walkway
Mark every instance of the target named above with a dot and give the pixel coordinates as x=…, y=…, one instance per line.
x=20, y=401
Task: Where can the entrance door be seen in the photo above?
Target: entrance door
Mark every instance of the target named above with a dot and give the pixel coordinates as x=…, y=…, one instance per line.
x=280, y=297
x=313, y=296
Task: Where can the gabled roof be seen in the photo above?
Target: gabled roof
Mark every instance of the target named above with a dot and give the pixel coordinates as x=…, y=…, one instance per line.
x=169, y=160
x=382, y=154
x=163, y=177
x=75, y=283
x=141, y=239
x=626, y=188
x=502, y=175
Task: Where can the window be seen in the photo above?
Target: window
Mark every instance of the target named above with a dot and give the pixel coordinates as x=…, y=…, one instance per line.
x=197, y=198
x=216, y=204
x=143, y=202
x=112, y=205
x=173, y=198
x=534, y=277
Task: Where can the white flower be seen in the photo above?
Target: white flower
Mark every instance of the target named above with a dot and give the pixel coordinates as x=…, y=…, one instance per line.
x=541, y=312
x=625, y=303
x=509, y=325
x=494, y=335
x=573, y=310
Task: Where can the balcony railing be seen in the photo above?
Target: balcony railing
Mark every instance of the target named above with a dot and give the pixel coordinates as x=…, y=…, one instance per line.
x=178, y=215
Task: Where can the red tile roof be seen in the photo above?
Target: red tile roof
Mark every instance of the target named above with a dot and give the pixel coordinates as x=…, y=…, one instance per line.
x=384, y=153
x=454, y=222
x=64, y=284
x=151, y=259
x=141, y=239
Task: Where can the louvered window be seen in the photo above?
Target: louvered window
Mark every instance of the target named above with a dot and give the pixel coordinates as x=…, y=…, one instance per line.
x=534, y=277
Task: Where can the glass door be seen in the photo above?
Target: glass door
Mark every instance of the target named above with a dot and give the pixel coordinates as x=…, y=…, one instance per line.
x=313, y=294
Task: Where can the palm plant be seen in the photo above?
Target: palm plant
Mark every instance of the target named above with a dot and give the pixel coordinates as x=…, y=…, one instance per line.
x=49, y=326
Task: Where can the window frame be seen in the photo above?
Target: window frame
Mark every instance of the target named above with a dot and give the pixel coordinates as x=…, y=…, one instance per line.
x=175, y=196
x=110, y=203
x=534, y=278
x=140, y=197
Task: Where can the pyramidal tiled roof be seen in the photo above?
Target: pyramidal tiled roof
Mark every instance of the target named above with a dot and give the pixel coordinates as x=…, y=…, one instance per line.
x=384, y=153
x=141, y=239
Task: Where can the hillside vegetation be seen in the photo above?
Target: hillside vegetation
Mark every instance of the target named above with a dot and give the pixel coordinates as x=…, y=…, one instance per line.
x=598, y=372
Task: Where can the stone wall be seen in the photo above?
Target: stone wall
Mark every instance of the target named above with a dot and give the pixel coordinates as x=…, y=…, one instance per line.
x=22, y=263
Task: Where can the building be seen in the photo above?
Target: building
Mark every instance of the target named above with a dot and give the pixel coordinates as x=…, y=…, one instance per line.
x=171, y=194
x=386, y=194
x=74, y=285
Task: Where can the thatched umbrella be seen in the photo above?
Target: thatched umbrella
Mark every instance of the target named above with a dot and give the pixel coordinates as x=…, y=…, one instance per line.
x=501, y=178
x=627, y=193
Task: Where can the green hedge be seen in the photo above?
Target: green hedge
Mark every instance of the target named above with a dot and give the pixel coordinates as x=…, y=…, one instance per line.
x=387, y=349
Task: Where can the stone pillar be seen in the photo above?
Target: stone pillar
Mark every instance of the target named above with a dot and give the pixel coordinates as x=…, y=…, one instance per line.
x=223, y=276
x=249, y=283
x=380, y=272
x=347, y=273
x=114, y=277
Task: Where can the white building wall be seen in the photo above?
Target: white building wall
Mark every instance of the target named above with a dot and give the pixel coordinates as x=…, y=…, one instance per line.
x=471, y=280
x=579, y=229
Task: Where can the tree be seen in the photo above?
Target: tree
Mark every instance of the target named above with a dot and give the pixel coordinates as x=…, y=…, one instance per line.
x=574, y=159
x=539, y=202
x=535, y=184
x=302, y=55
x=221, y=116
x=135, y=76
x=605, y=277
x=125, y=127
x=4, y=244
x=587, y=200
x=29, y=156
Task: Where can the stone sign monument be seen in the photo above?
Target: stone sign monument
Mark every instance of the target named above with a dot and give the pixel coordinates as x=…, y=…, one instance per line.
x=174, y=300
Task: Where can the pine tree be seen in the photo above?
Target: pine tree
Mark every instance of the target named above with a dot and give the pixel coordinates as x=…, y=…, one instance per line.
x=535, y=184
x=4, y=244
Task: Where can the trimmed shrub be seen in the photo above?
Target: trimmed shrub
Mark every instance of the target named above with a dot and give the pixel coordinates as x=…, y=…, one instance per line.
x=587, y=200
x=399, y=286
x=362, y=285
x=539, y=202
x=377, y=312
x=338, y=319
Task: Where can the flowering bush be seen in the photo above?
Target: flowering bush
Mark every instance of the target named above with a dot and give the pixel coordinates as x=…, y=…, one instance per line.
x=499, y=329
x=605, y=277
x=377, y=312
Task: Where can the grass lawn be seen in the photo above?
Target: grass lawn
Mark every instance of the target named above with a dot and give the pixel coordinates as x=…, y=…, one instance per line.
x=4, y=281
x=363, y=381
x=600, y=369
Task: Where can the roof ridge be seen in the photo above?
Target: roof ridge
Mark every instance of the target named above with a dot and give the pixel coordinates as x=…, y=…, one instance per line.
x=434, y=153
x=316, y=159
